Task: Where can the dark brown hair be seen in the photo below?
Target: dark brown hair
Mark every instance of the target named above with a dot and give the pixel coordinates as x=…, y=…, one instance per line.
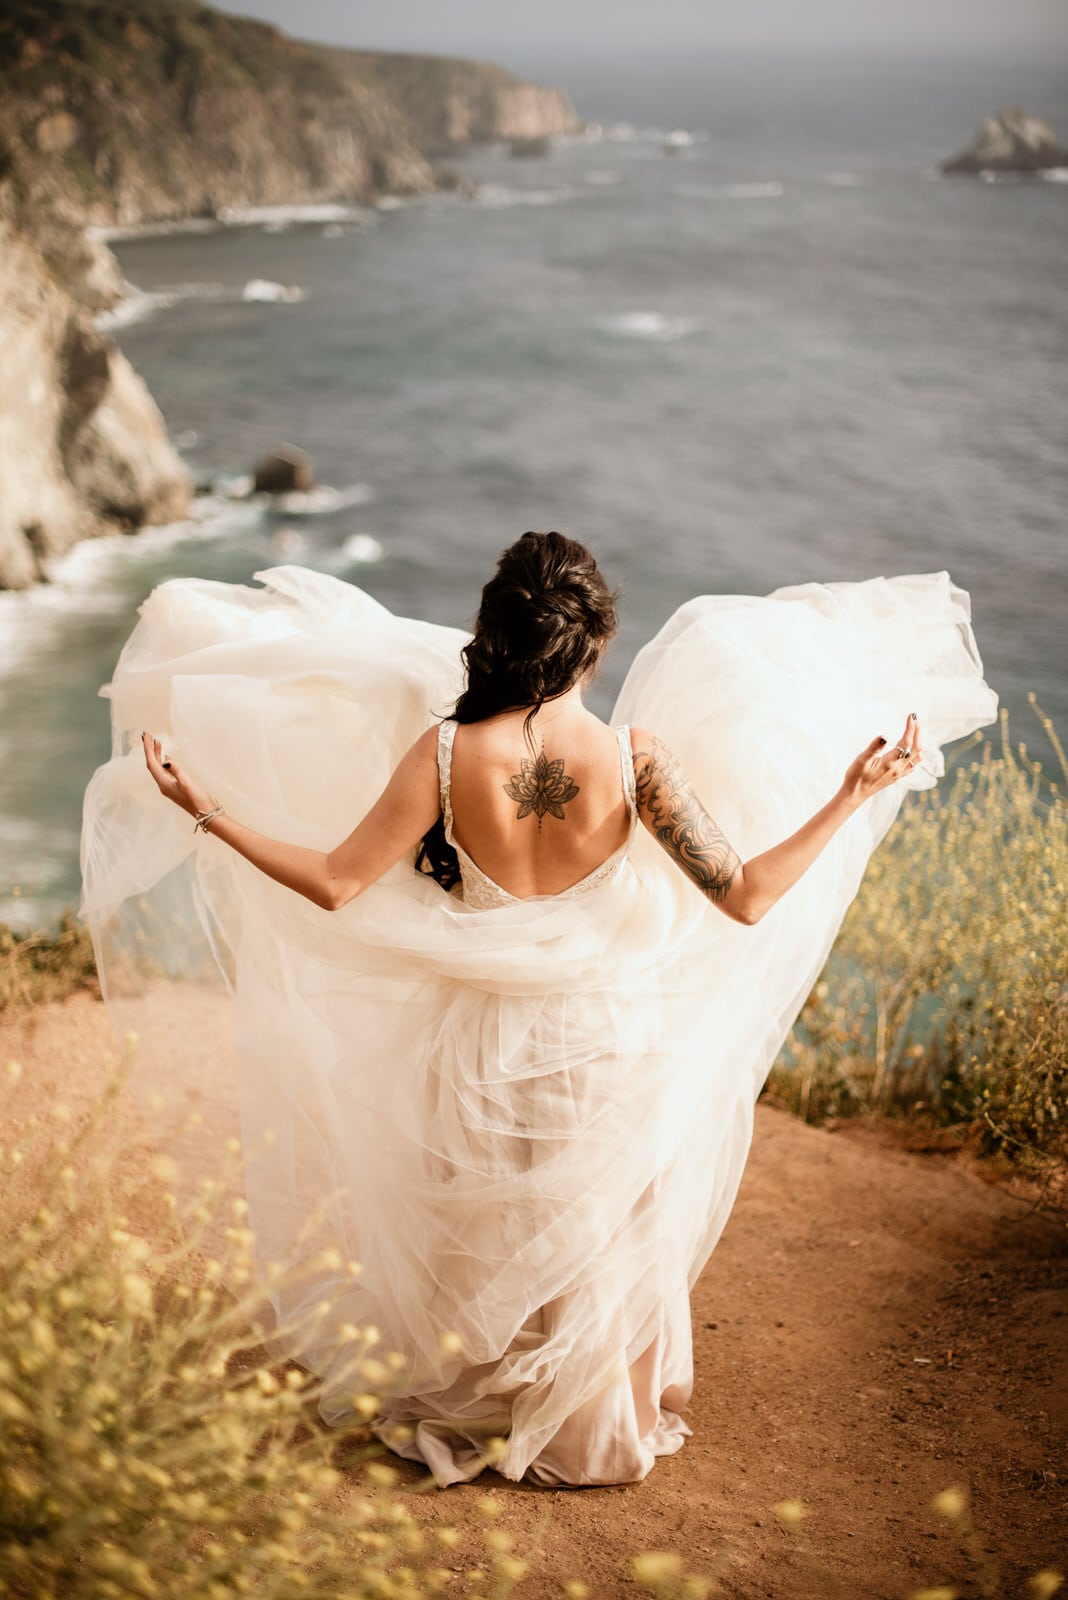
x=545, y=617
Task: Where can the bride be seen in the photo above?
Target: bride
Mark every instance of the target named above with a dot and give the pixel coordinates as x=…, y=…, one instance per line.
x=529, y=1066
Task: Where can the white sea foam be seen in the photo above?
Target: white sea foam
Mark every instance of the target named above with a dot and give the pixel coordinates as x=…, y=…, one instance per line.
x=82, y=582
x=288, y=216
x=289, y=543
x=500, y=196
x=148, y=230
x=363, y=548
x=730, y=191
x=1055, y=175
x=266, y=290
x=317, y=502
x=653, y=325
x=599, y=178
x=844, y=180
x=138, y=304
x=752, y=191
x=359, y=549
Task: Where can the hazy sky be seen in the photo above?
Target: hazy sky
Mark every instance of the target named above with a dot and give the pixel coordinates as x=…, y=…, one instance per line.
x=549, y=31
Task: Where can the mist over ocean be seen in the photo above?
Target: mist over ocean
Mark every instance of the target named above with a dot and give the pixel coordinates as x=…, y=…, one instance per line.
x=785, y=351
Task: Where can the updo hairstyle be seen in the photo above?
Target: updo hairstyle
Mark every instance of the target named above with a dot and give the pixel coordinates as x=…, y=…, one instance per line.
x=546, y=615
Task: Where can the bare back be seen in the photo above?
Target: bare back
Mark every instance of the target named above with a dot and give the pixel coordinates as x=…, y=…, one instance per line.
x=537, y=819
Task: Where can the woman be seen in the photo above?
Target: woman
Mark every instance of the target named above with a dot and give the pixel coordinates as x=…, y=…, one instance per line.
x=534, y=1097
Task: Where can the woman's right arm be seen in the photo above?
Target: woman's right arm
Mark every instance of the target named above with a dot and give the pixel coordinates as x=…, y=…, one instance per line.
x=675, y=817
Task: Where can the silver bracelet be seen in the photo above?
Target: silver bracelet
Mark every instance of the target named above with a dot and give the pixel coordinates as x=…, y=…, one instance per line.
x=204, y=817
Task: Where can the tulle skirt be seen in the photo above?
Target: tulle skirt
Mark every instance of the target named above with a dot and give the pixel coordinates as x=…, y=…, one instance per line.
x=527, y=1124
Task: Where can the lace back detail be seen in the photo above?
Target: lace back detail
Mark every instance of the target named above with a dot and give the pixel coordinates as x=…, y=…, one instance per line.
x=446, y=735
x=480, y=892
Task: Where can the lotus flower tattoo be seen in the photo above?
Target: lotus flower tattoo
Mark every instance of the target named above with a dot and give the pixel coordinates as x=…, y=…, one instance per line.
x=541, y=787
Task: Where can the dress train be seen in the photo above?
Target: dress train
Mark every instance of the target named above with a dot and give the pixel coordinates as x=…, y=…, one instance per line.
x=527, y=1122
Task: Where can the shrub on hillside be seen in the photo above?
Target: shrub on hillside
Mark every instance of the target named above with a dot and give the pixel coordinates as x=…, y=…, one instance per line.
x=946, y=994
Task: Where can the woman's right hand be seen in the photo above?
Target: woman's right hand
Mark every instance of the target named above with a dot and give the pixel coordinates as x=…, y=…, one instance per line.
x=878, y=766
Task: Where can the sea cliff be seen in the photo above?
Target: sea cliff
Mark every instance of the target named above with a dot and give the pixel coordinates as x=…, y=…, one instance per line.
x=134, y=112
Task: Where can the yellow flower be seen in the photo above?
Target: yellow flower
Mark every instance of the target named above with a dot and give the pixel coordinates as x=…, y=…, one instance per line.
x=656, y=1566
x=951, y=1504
x=790, y=1513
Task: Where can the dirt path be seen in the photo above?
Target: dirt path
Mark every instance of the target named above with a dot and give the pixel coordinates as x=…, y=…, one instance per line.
x=875, y=1326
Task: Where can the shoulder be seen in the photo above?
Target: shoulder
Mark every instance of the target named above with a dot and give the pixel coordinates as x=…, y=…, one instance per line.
x=648, y=748
x=420, y=757
x=657, y=770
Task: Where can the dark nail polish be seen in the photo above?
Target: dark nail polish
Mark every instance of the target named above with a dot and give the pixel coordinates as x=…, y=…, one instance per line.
x=881, y=740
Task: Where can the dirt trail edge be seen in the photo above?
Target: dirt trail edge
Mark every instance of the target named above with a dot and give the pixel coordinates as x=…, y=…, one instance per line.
x=876, y=1325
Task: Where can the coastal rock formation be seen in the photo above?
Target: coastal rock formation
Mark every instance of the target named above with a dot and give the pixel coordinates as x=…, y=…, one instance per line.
x=451, y=103
x=83, y=448
x=150, y=112
x=154, y=111
x=1011, y=141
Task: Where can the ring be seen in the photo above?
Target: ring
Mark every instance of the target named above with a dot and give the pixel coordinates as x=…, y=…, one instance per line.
x=903, y=752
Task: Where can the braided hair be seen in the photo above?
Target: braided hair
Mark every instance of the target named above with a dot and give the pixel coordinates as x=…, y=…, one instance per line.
x=545, y=616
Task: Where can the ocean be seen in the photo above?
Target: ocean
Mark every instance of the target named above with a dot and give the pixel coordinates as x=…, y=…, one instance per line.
x=742, y=336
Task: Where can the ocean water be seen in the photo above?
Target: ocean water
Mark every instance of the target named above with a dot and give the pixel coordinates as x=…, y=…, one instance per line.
x=745, y=337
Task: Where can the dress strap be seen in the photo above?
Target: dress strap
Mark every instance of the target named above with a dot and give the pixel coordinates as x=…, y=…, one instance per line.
x=626, y=762
x=446, y=735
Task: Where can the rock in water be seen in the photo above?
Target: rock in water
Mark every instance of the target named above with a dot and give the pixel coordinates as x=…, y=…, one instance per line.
x=1011, y=141
x=283, y=471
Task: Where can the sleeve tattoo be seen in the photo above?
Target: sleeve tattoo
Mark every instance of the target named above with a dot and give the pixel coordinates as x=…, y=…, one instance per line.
x=681, y=823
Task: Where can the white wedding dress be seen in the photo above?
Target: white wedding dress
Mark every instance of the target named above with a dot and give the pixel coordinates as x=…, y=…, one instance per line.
x=526, y=1119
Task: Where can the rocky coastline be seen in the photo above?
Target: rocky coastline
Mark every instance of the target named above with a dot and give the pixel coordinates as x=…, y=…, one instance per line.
x=152, y=112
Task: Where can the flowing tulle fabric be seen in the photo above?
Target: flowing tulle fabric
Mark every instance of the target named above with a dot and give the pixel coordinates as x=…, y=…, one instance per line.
x=528, y=1124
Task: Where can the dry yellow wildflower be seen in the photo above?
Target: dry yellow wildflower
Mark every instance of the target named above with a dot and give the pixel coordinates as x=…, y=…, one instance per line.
x=655, y=1567
x=511, y=1568
x=950, y=1503
x=790, y=1513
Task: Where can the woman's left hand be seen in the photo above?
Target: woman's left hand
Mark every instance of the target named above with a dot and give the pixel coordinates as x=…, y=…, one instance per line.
x=172, y=782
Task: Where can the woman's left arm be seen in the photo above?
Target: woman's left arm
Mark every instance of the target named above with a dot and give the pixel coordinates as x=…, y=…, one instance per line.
x=407, y=807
